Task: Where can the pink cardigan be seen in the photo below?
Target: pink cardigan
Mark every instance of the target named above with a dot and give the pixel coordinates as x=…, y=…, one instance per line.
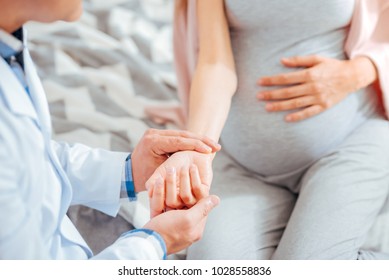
x=369, y=36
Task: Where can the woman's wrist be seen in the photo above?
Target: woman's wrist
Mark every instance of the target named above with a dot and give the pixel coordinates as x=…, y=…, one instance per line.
x=365, y=71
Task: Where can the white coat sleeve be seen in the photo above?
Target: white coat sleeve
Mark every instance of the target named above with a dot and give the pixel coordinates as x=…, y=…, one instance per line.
x=140, y=244
x=94, y=174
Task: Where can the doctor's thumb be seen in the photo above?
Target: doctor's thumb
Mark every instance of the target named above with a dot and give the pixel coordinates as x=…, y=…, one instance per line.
x=204, y=207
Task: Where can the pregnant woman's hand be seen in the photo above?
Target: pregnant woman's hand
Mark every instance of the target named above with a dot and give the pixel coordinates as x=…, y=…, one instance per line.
x=323, y=83
x=187, y=177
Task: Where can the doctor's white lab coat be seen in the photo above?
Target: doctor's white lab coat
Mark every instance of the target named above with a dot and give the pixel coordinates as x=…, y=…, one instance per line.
x=40, y=179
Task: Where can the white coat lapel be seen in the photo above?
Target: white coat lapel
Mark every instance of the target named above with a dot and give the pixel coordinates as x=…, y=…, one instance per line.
x=37, y=93
x=15, y=95
x=40, y=102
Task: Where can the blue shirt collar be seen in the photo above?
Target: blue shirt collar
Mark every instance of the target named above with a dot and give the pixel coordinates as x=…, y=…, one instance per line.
x=11, y=44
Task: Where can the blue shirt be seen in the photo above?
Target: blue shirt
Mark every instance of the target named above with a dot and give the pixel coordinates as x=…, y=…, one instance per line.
x=11, y=50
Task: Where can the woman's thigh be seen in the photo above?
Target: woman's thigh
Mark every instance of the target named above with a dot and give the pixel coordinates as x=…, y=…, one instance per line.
x=340, y=197
x=250, y=219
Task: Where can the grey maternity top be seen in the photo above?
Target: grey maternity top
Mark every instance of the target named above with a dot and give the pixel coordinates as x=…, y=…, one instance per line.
x=262, y=32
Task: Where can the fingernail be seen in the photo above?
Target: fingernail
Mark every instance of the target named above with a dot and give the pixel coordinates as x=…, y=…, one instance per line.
x=159, y=182
x=214, y=200
x=288, y=118
x=216, y=144
x=260, y=96
x=269, y=107
x=170, y=170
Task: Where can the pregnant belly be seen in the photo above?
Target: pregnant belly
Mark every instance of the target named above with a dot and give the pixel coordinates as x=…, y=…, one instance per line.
x=264, y=143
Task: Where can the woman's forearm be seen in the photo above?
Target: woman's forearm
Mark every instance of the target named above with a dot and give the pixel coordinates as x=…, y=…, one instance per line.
x=214, y=81
x=213, y=86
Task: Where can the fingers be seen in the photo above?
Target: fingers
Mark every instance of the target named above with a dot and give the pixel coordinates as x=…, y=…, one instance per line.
x=203, y=208
x=175, y=140
x=304, y=114
x=157, y=201
x=291, y=104
x=170, y=144
x=190, y=135
x=302, y=61
x=285, y=93
x=214, y=145
x=199, y=190
x=186, y=188
x=205, y=170
x=150, y=183
x=172, y=199
x=297, y=77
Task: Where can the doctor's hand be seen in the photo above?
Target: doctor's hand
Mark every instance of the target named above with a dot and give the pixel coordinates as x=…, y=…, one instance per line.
x=157, y=145
x=323, y=83
x=187, y=178
x=180, y=228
